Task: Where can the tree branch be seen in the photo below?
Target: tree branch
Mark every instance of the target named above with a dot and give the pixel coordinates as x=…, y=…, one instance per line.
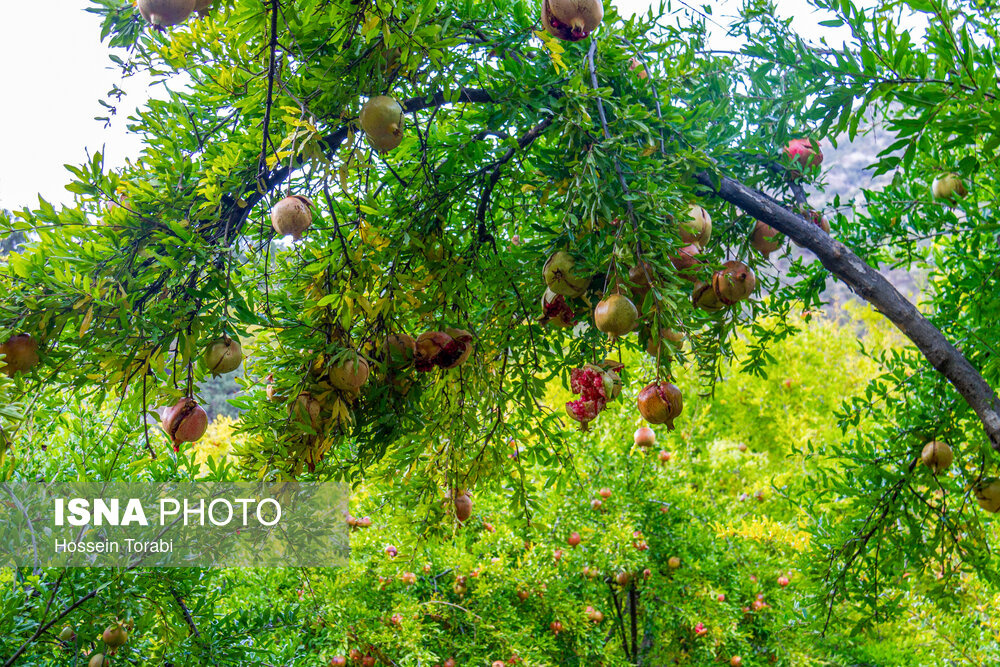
x=870, y=285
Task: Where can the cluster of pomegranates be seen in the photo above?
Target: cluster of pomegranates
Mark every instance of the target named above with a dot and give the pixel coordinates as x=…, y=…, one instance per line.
x=114, y=636
x=163, y=13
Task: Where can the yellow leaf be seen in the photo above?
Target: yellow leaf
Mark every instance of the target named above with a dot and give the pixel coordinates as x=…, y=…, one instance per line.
x=85, y=325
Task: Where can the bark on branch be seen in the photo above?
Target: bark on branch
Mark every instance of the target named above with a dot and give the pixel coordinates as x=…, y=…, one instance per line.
x=870, y=285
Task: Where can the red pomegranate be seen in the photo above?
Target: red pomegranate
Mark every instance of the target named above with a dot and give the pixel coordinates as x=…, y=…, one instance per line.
x=660, y=403
x=765, y=239
x=573, y=539
x=186, y=421
x=804, y=152
x=734, y=282
x=443, y=349
x=686, y=262
x=463, y=506
x=556, y=311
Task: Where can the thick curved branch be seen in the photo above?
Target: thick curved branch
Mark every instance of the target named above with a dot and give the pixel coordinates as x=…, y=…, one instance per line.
x=870, y=285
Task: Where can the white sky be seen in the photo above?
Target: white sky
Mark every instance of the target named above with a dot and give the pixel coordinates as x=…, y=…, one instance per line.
x=56, y=70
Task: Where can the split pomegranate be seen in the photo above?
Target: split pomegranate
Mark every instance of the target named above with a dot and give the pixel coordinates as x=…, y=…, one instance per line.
x=937, y=456
x=382, y=121
x=556, y=311
x=596, y=387
x=704, y=297
x=166, y=12
x=444, y=349
x=734, y=282
x=223, y=355
x=463, y=506
x=616, y=316
x=644, y=437
x=660, y=403
x=697, y=229
x=560, y=277
x=292, y=216
x=20, y=354
x=186, y=421
x=571, y=20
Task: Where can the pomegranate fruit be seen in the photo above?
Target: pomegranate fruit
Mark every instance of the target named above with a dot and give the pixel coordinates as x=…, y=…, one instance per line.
x=664, y=456
x=616, y=315
x=350, y=373
x=556, y=311
x=686, y=262
x=571, y=20
x=948, y=186
x=444, y=349
x=67, y=634
x=166, y=12
x=292, y=216
x=987, y=494
x=560, y=278
x=783, y=581
x=186, y=421
x=640, y=275
x=338, y=661
x=673, y=562
x=115, y=636
x=382, y=121
x=765, y=239
x=574, y=539
x=605, y=492
x=202, y=5
x=623, y=578
x=596, y=504
x=667, y=340
x=556, y=627
x=697, y=229
x=97, y=660
x=400, y=349
x=463, y=506
x=20, y=354
x=660, y=403
x=804, y=152
x=644, y=437
x=391, y=551
x=368, y=661
x=736, y=661
x=937, y=456
x=704, y=297
x=734, y=282
x=306, y=411
x=596, y=386
x=223, y=355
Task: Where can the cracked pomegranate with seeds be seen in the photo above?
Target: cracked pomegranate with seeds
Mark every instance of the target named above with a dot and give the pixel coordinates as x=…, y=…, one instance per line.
x=556, y=311
x=571, y=20
x=166, y=12
x=292, y=216
x=595, y=387
x=186, y=421
x=382, y=121
x=734, y=282
x=20, y=354
x=616, y=315
x=443, y=349
x=660, y=403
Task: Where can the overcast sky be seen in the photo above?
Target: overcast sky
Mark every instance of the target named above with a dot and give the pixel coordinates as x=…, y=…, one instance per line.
x=56, y=69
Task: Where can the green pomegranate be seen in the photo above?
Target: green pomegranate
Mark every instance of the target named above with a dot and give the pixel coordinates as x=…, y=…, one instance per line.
x=382, y=121
x=560, y=277
x=616, y=316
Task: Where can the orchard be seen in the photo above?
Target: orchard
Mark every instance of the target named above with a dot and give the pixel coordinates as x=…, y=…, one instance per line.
x=558, y=293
